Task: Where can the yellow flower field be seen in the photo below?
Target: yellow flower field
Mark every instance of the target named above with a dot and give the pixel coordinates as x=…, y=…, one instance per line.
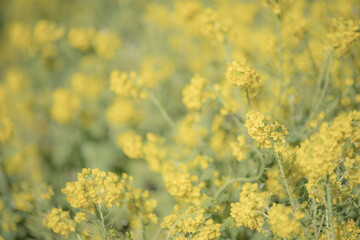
x=177, y=120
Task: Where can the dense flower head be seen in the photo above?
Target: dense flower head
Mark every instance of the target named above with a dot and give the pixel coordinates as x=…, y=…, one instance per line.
x=195, y=94
x=154, y=152
x=87, y=85
x=59, y=221
x=190, y=221
x=242, y=75
x=284, y=222
x=239, y=148
x=122, y=111
x=179, y=184
x=81, y=38
x=124, y=84
x=247, y=212
x=65, y=105
x=6, y=129
x=106, y=44
x=96, y=187
x=131, y=143
x=319, y=155
x=47, y=32
x=344, y=34
x=265, y=133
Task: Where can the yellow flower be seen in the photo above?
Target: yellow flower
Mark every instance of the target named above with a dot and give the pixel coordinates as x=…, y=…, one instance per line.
x=124, y=84
x=131, y=143
x=242, y=75
x=284, y=222
x=107, y=44
x=194, y=94
x=247, y=212
x=47, y=32
x=239, y=148
x=6, y=129
x=59, y=221
x=266, y=134
x=65, y=105
x=81, y=38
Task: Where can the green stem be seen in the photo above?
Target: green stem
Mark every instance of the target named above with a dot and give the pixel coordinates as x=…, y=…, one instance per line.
x=248, y=99
x=250, y=179
x=100, y=215
x=286, y=184
x=281, y=80
x=161, y=109
x=323, y=92
x=315, y=218
x=330, y=208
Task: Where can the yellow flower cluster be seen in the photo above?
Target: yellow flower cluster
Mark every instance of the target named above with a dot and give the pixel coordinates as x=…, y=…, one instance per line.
x=107, y=43
x=284, y=222
x=191, y=221
x=318, y=155
x=154, y=152
x=202, y=161
x=273, y=184
x=47, y=32
x=95, y=187
x=244, y=76
x=248, y=211
x=228, y=96
x=208, y=26
x=25, y=195
x=59, y=221
x=65, y=105
x=155, y=70
x=190, y=132
x=131, y=143
x=20, y=35
x=199, y=21
x=6, y=129
x=194, y=94
x=124, y=84
x=87, y=85
x=352, y=166
x=140, y=204
x=239, y=148
x=81, y=38
x=344, y=34
x=122, y=111
x=263, y=132
x=179, y=183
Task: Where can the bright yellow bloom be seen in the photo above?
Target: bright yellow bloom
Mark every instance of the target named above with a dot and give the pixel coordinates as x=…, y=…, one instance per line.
x=81, y=38
x=47, y=32
x=131, y=143
x=59, y=221
x=242, y=75
x=124, y=84
x=107, y=44
x=65, y=105
x=247, y=212
x=239, y=148
x=194, y=94
x=266, y=134
x=95, y=187
x=284, y=222
x=6, y=129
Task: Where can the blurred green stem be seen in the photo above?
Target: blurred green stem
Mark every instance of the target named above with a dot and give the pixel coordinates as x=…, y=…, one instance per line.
x=280, y=55
x=286, y=184
x=249, y=179
x=161, y=109
x=101, y=219
x=330, y=208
